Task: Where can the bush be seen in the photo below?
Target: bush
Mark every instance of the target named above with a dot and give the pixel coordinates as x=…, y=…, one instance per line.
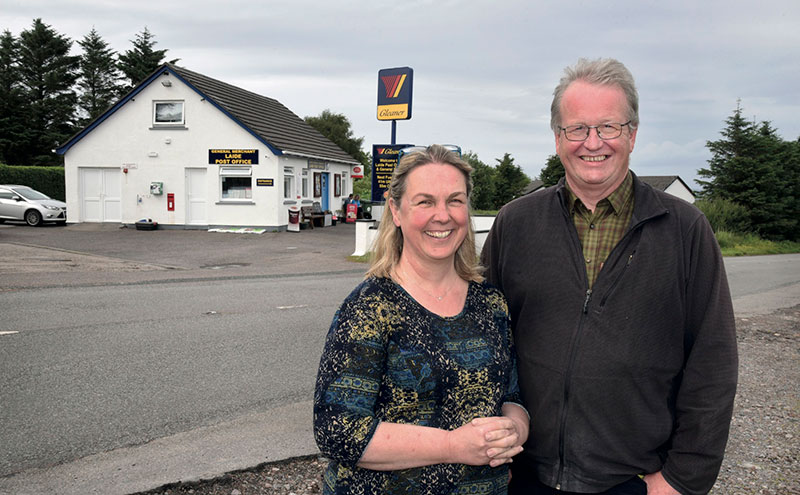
x=725, y=215
x=48, y=180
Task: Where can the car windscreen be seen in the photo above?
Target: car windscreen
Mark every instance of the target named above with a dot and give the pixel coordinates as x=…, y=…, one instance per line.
x=30, y=194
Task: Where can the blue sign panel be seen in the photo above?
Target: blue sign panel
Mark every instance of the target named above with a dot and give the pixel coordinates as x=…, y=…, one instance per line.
x=384, y=161
x=394, y=93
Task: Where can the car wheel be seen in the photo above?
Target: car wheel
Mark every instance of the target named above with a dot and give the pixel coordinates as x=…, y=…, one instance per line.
x=33, y=218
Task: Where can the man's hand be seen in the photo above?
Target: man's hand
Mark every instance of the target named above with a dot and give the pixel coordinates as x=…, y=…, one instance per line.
x=657, y=485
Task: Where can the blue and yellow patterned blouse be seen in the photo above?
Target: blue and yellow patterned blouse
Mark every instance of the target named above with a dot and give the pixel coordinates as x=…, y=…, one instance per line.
x=387, y=358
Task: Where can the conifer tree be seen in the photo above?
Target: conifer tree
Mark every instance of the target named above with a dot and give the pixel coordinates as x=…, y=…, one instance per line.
x=99, y=76
x=47, y=76
x=552, y=172
x=753, y=167
x=483, y=192
x=140, y=61
x=509, y=181
x=12, y=104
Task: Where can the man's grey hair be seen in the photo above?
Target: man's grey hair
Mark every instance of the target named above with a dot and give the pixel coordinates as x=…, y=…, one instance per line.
x=604, y=72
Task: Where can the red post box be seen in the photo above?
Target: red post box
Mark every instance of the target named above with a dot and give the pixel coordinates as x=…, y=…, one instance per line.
x=170, y=201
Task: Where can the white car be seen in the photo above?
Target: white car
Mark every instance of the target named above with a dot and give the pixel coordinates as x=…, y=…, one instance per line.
x=30, y=206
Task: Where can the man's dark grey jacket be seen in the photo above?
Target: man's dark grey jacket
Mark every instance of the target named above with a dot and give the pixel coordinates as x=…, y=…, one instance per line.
x=634, y=376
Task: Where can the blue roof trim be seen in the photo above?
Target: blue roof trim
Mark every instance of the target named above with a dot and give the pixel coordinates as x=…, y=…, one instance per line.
x=99, y=120
x=273, y=149
x=138, y=89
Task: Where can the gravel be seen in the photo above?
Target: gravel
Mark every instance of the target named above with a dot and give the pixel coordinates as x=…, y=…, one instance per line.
x=763, y=449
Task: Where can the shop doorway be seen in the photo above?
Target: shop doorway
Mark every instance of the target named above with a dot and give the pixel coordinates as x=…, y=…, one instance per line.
x=196, y=189
x=325, y=191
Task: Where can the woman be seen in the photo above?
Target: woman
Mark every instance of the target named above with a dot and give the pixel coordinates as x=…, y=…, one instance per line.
x=417, y=391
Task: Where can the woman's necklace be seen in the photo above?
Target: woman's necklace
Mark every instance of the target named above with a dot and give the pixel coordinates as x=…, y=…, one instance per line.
x=438, y=298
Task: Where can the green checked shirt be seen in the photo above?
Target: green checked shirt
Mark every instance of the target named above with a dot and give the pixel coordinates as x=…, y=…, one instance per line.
x=599, y=231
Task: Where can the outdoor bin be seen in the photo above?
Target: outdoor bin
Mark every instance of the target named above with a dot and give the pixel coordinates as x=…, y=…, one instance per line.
x=146, y=224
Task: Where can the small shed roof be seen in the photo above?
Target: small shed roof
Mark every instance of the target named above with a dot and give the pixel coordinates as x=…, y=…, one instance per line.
x=662, y=182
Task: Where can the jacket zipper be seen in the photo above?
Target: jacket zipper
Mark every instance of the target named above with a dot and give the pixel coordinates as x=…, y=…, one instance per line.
x=567, y=380
x=585, y=310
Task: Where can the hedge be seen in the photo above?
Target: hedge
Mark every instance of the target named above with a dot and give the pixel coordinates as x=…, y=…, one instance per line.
x=47, y=180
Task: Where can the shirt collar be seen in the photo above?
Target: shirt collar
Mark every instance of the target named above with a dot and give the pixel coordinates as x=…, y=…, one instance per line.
x=617, y=199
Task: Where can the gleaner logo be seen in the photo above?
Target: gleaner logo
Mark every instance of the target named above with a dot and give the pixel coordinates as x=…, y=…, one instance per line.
x=388, y=151
x=393, y=84
x=394, y=93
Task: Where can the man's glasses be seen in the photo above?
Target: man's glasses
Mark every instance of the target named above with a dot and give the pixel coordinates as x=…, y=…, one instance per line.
x=609, y=130
x=416, y=149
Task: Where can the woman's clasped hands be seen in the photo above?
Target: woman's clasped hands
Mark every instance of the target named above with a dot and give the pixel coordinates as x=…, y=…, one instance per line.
x=489, y=440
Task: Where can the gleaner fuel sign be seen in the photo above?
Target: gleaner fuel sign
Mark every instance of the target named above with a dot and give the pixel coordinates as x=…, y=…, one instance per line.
x=394, y=93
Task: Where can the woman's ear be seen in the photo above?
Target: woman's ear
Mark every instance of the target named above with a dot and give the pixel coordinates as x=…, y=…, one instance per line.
x=395, y=212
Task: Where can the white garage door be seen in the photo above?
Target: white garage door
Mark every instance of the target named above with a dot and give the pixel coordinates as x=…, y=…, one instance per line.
x=101, y=193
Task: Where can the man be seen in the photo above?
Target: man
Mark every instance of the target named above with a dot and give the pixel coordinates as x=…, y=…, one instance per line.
x=620, y=310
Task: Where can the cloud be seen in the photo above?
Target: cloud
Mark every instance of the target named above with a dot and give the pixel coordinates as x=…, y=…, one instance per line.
x=484, y=72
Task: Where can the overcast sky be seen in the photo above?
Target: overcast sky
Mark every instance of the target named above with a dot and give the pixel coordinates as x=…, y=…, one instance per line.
x=484, y=71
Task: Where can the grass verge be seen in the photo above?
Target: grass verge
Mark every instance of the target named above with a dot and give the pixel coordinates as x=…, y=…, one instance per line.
x=738, y=244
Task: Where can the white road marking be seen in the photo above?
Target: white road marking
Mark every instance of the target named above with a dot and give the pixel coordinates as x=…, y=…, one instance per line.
x=293, y=307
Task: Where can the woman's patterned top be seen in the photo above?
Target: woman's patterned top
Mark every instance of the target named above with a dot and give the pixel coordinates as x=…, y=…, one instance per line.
x=387, y=358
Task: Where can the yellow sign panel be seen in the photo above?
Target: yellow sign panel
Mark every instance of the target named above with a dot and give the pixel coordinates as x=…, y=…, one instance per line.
x=393, y=112
x=233, y=157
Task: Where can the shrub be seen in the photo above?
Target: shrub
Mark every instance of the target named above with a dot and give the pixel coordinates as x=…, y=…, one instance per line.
x=725, y=215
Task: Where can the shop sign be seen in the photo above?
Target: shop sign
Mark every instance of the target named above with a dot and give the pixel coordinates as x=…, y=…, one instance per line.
x=265, y=182
x=232, y=157
x=384, y=160
x=394, y=93
x=317, y=165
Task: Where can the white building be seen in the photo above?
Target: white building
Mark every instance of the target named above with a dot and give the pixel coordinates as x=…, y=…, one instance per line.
x=671, y=184
x=189, y=151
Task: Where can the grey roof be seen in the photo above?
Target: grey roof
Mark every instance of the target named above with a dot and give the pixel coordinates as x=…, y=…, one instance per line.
x=662, y=182
x=265, y=118
x=534, y=185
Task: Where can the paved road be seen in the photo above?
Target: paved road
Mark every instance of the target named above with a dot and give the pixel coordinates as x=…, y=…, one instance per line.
x=144, y=358
x=154, y=358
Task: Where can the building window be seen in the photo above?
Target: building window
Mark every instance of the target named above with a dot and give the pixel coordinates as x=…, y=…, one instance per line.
x=236, y=183
x=305, y=182
x=317, y=184
x=337, y=185
x=288, y=183
x=168, y=113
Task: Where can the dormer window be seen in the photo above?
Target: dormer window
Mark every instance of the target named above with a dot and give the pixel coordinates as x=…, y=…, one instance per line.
x=168, y=113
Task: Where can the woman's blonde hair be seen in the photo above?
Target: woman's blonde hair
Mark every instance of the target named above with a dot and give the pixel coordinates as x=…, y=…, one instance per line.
x=388, y=245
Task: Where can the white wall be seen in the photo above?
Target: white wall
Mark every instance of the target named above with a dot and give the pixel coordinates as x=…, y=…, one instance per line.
x=678, y=189
x=128, y=139
x=298, y=199
x=366, y=232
